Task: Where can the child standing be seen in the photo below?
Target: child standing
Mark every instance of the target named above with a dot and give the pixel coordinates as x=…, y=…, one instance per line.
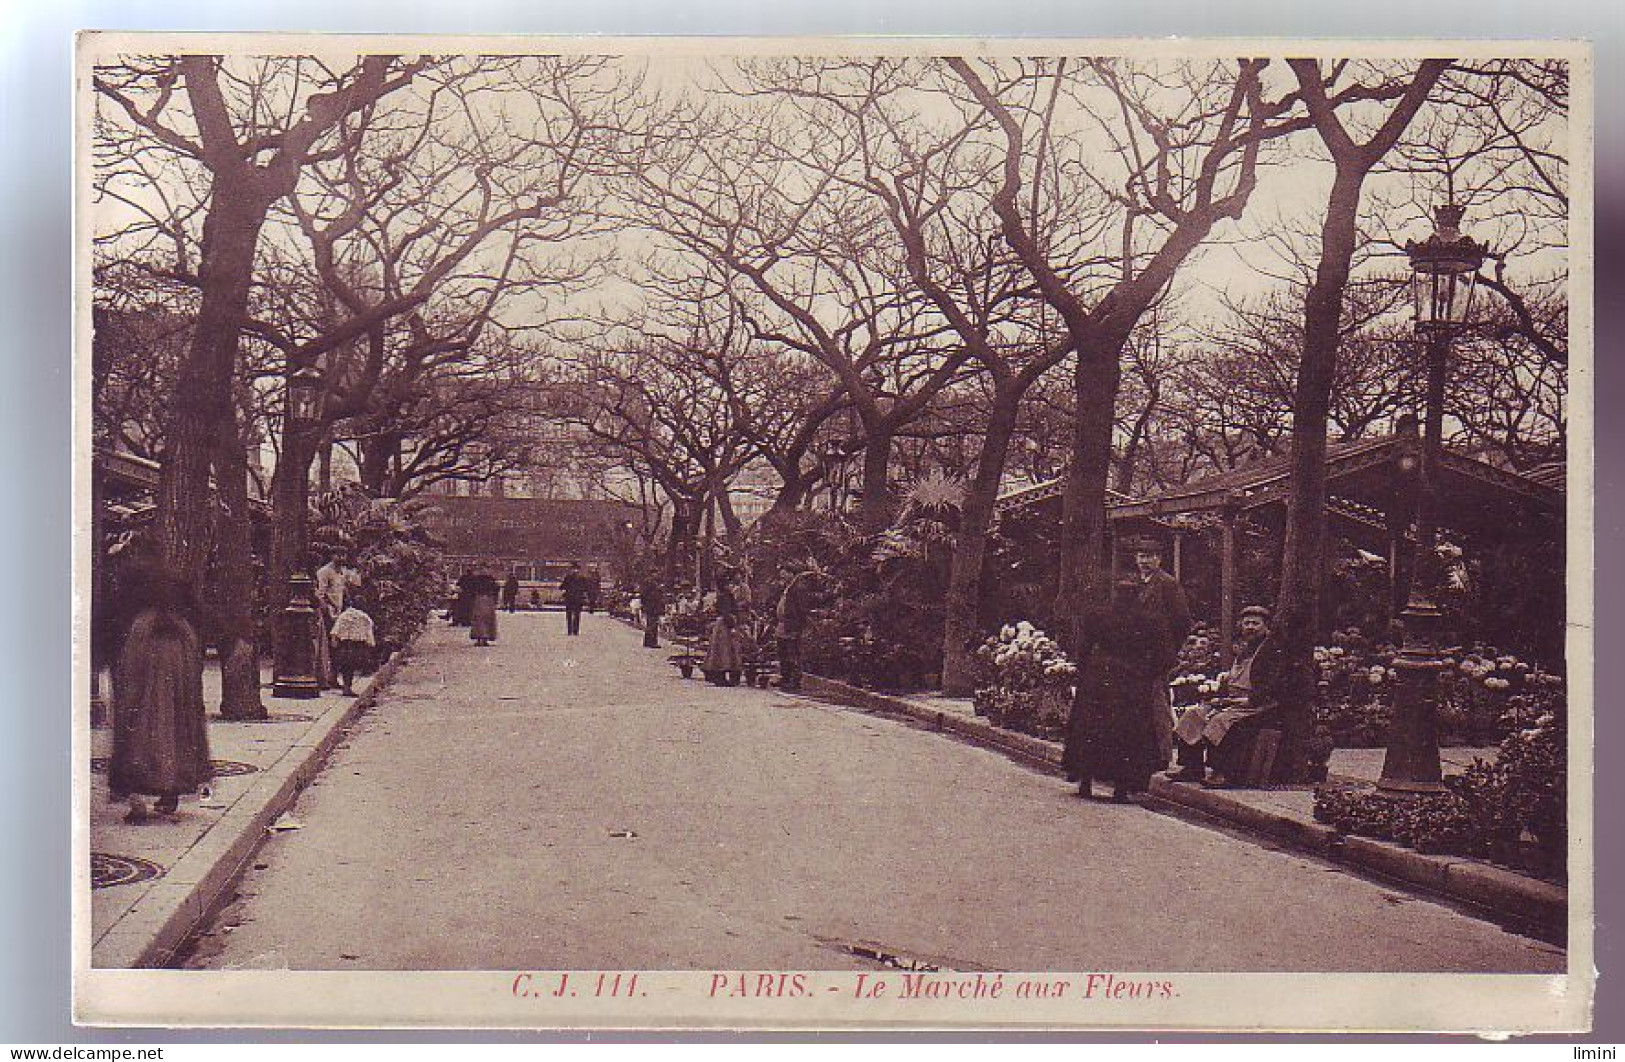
x=353, y=642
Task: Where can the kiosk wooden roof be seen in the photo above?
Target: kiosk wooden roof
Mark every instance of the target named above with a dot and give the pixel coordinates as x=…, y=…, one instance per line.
x=1370, y=487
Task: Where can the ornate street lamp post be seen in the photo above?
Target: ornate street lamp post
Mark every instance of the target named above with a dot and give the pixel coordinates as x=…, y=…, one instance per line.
x=1444, y=272
x=298, y=624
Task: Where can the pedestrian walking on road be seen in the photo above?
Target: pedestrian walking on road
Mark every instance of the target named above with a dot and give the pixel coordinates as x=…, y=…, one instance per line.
x=1112, y=733
x=795, y=605
x=576, y=592
x=160, y=730
x=723, y=661
x=334, y=580
x=354, y=642
x=510, y=593
x=482, y=609
x=464, y=601
x=652, y=599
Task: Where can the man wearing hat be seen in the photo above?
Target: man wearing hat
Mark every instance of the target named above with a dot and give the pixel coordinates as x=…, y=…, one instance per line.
x=1218, y=736
x=1160, y=597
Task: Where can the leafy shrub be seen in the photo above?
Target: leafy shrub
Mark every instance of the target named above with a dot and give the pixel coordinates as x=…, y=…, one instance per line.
x=1024, y=681
x=403, y=577
x=1488, y=810
x=878, y=620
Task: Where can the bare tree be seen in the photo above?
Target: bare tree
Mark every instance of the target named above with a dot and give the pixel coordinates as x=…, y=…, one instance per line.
x=735, y=188
x=1297, y=606
x=249, y=129
x=1189, y=159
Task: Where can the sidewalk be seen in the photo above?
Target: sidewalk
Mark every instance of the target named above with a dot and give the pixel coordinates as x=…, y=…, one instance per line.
x=1284, y=814
x=153, y=883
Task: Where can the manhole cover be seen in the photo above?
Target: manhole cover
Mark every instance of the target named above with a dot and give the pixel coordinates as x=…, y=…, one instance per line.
x=107, y=871
x=222, y=768
x=228, y=768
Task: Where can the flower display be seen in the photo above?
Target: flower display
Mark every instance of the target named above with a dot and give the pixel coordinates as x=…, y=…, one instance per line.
x=1489, y=811
x=1025, y=681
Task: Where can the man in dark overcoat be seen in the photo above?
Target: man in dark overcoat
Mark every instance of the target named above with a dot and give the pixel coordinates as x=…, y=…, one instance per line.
x=794, y=608
x=576, y=592
x=652, y=594
x=1159, y=596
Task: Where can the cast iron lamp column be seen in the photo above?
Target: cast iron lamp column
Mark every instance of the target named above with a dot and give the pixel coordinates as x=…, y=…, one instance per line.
x=1444, y=271
x=298, y=625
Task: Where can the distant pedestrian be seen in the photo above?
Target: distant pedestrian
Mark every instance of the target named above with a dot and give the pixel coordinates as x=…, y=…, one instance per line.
x=354, y=642
x=510, y=593
x=723, y=661
x=334, y=580
x=482, y=607
x=463, y=604
x=652, y=598
x=160, y=731
x=576, y=593
x=795, y=606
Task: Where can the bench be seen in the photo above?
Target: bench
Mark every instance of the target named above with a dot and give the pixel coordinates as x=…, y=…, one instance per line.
x=1261, y=759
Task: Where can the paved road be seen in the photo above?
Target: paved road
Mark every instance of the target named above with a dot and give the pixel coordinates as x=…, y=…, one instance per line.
x=570, y=803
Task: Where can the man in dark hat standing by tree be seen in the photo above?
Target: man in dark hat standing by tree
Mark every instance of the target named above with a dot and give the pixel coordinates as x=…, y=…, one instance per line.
x=1160, y=597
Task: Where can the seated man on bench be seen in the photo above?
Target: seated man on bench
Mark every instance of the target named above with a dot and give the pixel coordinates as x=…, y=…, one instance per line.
x=1220, y=736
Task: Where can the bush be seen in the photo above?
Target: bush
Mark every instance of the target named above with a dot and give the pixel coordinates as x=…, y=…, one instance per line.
x=1024, y=681
x=403, y=578
x=879, y=617
x=1514, y=810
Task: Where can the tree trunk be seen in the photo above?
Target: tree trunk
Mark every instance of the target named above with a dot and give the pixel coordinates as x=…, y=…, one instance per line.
x=324, y=463
x=681, y=537
x=876, y=513
x=1083, y=581
x=964, y=598
x=792, y=492
x=203, y=395
x=1303, y=559
x=731, y=524
x=236, y=599
x=706, y=572
x=379, y=456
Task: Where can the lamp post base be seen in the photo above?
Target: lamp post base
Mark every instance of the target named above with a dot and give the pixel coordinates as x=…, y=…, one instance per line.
x=1412, y=764
x=297, y=628
x=299, y=688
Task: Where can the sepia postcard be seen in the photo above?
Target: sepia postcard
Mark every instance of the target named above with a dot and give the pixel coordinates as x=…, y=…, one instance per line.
x=833, y=534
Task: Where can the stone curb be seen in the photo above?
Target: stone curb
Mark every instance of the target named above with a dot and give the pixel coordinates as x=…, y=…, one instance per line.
x=1531, y=902
x=150, y=933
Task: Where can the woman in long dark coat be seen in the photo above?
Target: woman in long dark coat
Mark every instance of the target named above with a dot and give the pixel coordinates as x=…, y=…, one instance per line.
x=160, y=731
x=482, y=608
x=1112, y=734
x=723, y=661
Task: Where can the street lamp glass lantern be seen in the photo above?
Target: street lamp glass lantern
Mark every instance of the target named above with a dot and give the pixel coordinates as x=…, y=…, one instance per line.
x=304, y=397
x=1444, y=272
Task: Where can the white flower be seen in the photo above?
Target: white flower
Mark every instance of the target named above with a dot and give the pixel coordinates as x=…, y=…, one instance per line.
x=1007, y=632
